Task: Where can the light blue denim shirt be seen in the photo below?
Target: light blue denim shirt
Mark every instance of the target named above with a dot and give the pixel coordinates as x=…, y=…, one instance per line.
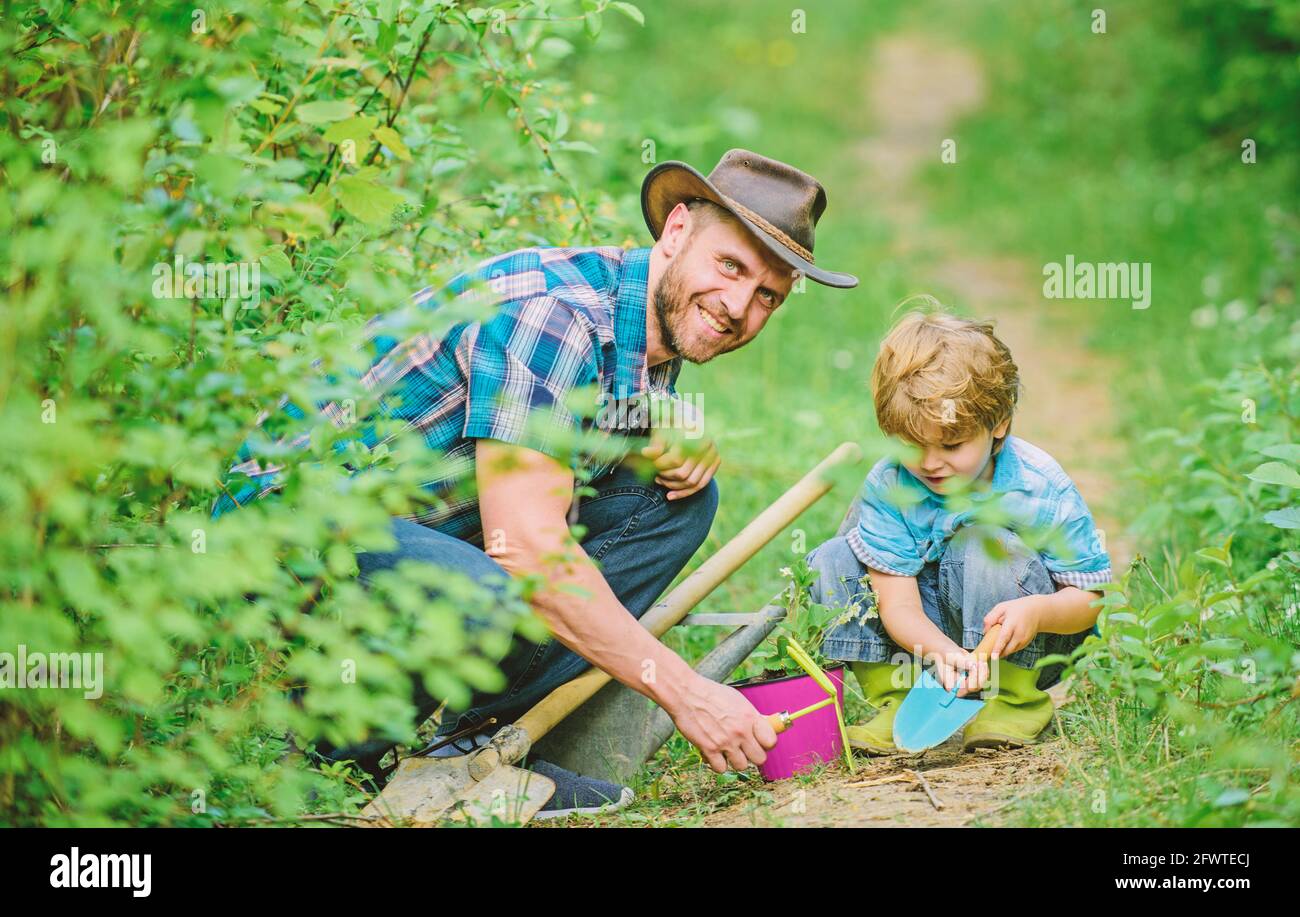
x=903, y=525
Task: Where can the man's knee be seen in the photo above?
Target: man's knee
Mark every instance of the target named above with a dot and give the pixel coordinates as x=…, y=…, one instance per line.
x=420, y=544
x=694, y=514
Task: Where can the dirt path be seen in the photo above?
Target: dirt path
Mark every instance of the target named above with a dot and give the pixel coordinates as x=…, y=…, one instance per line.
x=942, y=788
x=918, y=90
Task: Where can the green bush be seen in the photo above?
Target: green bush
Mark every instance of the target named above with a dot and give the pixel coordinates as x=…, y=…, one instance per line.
x=1194, y=680
x=1248, y=80
x=342, y=155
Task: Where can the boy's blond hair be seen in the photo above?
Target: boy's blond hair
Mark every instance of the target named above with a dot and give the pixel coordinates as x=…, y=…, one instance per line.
x=936, y=371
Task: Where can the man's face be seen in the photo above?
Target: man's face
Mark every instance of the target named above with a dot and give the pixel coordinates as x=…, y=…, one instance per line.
x=944, y=458
x=718, y=292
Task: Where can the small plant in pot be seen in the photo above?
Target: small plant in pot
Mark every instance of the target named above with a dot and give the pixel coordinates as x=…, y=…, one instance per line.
x=783, y=685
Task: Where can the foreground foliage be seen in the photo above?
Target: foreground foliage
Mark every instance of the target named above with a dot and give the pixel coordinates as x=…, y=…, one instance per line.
x=318, y=162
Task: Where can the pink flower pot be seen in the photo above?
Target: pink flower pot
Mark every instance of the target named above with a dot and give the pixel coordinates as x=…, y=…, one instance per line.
x=811, y=739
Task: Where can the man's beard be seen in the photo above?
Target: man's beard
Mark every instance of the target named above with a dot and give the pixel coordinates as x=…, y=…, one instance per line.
x=672, y=310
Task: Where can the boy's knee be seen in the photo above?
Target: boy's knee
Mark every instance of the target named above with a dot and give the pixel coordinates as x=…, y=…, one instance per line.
x=833, y=557
x=984, y=546
x=997, y=554
x=838, y=570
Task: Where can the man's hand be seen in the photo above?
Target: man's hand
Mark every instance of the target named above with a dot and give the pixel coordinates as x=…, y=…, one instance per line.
x=723, y=725
x=960, y=665
x=1021, y=620
x=683, y=464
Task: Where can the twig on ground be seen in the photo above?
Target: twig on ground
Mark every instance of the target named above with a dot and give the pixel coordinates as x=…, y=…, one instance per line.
x=925, y=785
x=892, y=778
x=332, y=817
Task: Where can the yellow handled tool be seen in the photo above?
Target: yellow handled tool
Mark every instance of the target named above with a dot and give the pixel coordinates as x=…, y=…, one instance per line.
x=781, y=721
x=805, y=662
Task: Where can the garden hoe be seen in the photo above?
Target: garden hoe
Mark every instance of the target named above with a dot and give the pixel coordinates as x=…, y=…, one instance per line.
x=485, y=784
x=805, y=661
x=929, y=713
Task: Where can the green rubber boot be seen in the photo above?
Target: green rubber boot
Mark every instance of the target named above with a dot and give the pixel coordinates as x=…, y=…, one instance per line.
x=1013, y=717
x=877, y=680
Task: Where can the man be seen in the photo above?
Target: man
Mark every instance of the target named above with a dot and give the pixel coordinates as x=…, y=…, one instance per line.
x=728, y=250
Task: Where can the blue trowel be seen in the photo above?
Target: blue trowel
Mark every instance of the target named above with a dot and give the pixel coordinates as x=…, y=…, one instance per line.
x=930, y=713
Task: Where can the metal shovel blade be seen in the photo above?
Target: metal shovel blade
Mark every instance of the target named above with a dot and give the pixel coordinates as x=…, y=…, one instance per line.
x=425, y=792
x=929, y=714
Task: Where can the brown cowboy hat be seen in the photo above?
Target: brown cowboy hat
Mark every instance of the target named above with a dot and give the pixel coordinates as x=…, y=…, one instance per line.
x=778, y=203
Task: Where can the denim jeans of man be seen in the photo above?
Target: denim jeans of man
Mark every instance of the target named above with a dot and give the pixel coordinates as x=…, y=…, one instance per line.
x=641, y=540
x=957, y=591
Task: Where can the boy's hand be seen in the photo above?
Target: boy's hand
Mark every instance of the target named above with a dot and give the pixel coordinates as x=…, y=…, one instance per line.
x=1020, y=619
x=960, y=666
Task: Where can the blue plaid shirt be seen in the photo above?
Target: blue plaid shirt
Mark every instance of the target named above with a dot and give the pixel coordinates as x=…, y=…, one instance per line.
x=565, y=319
x=904, y=525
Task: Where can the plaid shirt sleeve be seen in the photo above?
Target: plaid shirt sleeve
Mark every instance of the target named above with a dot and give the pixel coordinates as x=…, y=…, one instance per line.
x=1077, y=557
x=509, y=368
x=262, y=476
x=524, y=367
x=881, y=539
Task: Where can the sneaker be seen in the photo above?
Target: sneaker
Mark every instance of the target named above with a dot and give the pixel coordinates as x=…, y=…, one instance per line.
x=461, y=746
x=579, y=795
x=574, y=793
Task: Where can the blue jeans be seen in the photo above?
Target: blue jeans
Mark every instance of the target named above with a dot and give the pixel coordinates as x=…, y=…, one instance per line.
x=956, y=592
x=641, y=541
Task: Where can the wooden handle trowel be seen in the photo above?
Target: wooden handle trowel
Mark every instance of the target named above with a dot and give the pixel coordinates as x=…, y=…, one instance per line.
x=930, y=713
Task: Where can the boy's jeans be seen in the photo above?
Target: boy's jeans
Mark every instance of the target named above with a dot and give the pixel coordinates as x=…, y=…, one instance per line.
x=957, y=591
x=641, y=541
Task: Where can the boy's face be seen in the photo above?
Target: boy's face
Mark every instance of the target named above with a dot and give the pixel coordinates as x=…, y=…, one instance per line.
x=943, y=459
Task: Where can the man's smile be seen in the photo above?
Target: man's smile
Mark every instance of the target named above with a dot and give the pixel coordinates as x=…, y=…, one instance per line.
x=713, y=324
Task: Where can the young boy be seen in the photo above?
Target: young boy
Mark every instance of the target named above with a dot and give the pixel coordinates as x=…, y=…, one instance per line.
x=948, y=387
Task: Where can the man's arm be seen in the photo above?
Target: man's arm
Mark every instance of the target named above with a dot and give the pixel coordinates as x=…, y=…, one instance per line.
x=524, y=496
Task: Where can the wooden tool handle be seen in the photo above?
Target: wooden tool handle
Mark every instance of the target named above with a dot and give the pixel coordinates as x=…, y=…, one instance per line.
x=985, y=646
x=981, y=652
